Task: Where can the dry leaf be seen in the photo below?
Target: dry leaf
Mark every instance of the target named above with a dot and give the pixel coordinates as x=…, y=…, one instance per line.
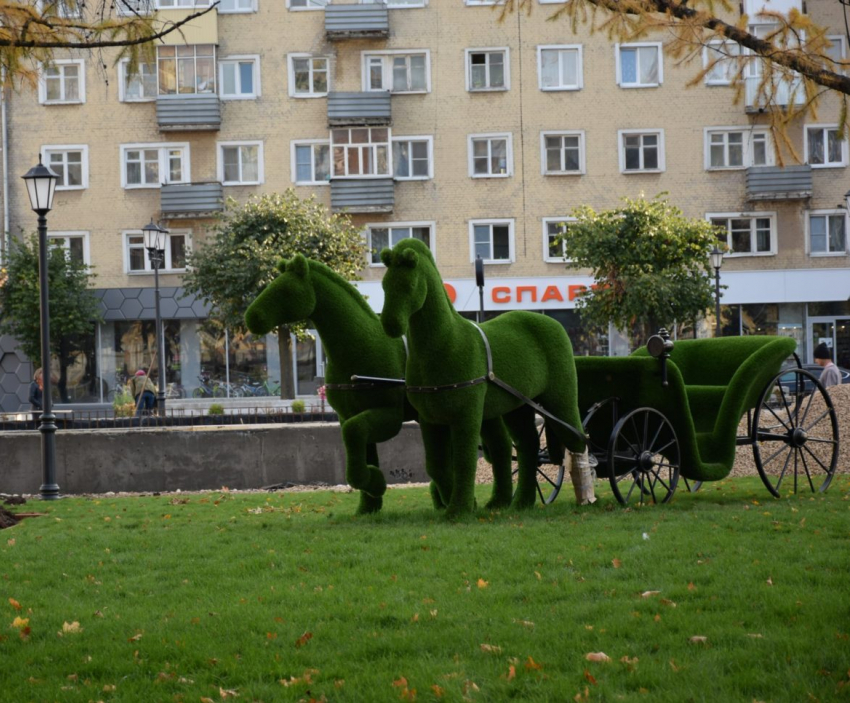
x=438, y=691
x=667, y=601
x=109, y=688
x=525, y=623
x=532, y=665
x=433, y=613
x=691, y=586
x=537, y=574
x=408, y=694
x=673, y=666
x=207, y=700
x=339, y=683
x=616, y=563
x=657, y=618
x=227, y=693
x=482, y=583
x=649, y=594
x=304, y=639
x=769, y=580
x=589, y=677
x=491, y=649
x=20, y=623
x=415, y=617
x=71, y=628
x=597, y=657
x=698, y=639
x=627, y=661
x=755, y=635
x=10, y=542
x=400, y=682
x=136, y=637
x=470, y=686
x=14, y=604
x=511, y=672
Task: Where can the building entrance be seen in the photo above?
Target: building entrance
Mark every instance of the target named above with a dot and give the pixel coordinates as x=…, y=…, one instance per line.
x=835, y=332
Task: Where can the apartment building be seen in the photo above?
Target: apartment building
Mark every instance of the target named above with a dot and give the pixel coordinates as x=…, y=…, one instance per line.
x=432, y=119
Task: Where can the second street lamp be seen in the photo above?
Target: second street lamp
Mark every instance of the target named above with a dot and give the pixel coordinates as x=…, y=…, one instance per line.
x=154, y=239
x=716, y=258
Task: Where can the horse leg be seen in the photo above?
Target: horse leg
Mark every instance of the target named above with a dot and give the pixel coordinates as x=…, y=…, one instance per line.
x=369, y=427
x=498, y=449
x=438, y=457
x=523, y=431
x=464, y=443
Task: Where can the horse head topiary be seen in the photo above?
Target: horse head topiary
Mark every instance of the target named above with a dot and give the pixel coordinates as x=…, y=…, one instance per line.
x=266, y=313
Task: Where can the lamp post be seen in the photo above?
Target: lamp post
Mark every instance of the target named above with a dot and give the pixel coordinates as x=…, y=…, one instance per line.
x=154, y=240
x=716, y=258
x=41, y=185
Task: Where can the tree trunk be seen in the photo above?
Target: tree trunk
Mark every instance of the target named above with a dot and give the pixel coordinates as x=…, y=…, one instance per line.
x=287, y=379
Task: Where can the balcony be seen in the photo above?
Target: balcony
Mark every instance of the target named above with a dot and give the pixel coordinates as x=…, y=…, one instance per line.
x=788, y=91
x=779, y=182
x=185, y=200
x=359, y=109
x=362, y=21
x=196, y=112
x=362, y=195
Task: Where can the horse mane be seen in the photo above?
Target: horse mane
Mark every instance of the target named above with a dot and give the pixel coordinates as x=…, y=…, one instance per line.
x=318, y=268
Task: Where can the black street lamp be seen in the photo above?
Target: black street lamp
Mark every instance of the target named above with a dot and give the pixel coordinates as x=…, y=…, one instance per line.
x=154, y=238
x=716, y=258
x=41, y=185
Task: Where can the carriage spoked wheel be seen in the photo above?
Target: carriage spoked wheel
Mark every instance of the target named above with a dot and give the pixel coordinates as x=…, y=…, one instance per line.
x=643, y=458
x=795, y=434
x=550, y=477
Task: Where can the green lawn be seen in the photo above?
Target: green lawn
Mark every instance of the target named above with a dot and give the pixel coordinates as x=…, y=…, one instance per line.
x=288, y=596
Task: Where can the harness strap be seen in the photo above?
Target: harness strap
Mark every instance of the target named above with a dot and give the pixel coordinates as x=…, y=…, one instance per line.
x=361, y=386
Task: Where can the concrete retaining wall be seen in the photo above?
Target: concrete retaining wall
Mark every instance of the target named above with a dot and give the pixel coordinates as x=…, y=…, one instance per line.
x=97, y=461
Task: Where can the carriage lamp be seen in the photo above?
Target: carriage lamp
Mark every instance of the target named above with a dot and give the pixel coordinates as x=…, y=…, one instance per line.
x=715, y=256
x=154, y=241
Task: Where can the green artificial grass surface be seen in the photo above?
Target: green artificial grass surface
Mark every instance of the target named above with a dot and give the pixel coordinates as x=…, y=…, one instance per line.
x=288, y=597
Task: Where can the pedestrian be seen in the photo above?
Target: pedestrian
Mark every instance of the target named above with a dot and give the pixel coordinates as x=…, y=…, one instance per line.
x=144, y=391
x=830, y=376
x=37, y=389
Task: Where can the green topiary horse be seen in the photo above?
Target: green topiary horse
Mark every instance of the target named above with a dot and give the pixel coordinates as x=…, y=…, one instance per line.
x=355, y=343
x=530, y=352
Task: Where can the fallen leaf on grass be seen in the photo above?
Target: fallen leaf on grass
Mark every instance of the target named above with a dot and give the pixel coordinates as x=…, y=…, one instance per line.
x=491, y=649
x=589, y=677
x=438, y=691
x=228, y=693
x=20, y=623
x=511, y=672
x=415, y=617
x=10, y=542
x=482, y=583
x=304, y=639
x=207, y=700
x=532, y=665
x=691, y=586
x=769, y=580
x=401, y=682
x=667, y=601
x=136, y=637
x=698, y=639
x=525, y=623
x=629, y=662
x=14, y=604
x=468, y=686
x=71, y=628
x=755, y=635
x=673, y=665
x=616, y=563
x=597, y=657
x=649, y=594
x=537, y=574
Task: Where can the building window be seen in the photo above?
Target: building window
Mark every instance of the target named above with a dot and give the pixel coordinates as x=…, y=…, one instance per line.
x=309, y=76
x=172, y=4
x=360, y=151
x=737, y=148
x=239, y=77
x=397, y=72
x=487, y=69
x=311, y=162
x=75, y=244
x=824, y=147
x=306, y=4
x=554, y=246
x=400, y=4
x=138, y=261
x=186, y=70
x=151, y=165
x=134, y=7
x=746, y=235
x=492, y=240
x=412, y=158
x=382, y=236
x=234, y=6
x=63, y=83
x=62, y=8
x=490, y=156
x=70, y=163
x=639, y=65
x=837, y=52
x=721, y=60
x=559, y=67
x=827, y=232
x=139, y=86
x=562, y=153
x=641, y=152
x=240, y=163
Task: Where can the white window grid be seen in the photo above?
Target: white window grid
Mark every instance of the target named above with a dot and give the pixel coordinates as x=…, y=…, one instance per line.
x=827, y=143
x=316, y=148
x=181, y=4
x=724, y=71
x=752, y=147
x=243, y=151
x=481, y=240
x=135, y=7
x=490, y=68
x=361, y=152
x=832, y=246
x=736, y=224
x=418, y=150
x=231, y=77
x=61, y=8
x=62, y=82
x=167, y=155
x=306, y=5
x=318, y=68
x=143, y=82
x=233, y=7
x=565, y=53
x=642, y=51
x=60, y=158
x=207, y=56
x=399, y=4
x=565, y=152
x=75, y=244
x=644, y=145
x=501, y=169
x=552, y=227
x=134, y=249
x=396, y=232
x=387, y=62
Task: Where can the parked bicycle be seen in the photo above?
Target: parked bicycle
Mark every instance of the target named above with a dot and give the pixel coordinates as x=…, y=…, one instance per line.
x=268, y=388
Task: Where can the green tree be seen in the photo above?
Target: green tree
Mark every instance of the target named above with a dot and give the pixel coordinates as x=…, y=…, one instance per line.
x=240, y=257
x=649, y=263
x=74, y=310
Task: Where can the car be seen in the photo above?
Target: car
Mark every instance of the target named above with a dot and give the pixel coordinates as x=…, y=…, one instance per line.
x=789, y=381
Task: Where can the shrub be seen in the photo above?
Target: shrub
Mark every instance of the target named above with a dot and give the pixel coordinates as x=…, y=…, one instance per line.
x=298, y=406
x=216, y=409
x=123, y=405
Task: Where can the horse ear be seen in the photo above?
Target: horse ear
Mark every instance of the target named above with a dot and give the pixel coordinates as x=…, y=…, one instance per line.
x=387, y=257
x=281, y=265
x=409, y=258
x=298, y=266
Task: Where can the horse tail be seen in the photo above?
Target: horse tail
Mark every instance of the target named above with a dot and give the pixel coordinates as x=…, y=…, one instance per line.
x=555, y=447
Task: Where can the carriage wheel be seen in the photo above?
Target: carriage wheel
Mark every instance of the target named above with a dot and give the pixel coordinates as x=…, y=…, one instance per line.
x=602, y=414
x=643, y=458
x=550, y=477
x=795, y=434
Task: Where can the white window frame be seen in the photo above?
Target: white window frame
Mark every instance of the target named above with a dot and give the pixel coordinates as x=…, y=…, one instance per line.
x=253, y=8
x=311, y=6
x=639, y=45
x=581, y=151
x=66, y=236
x=509, y=154
x=487, y=49
x=430, y=142
x=253, y=58
x=290, y=63
x=483, y=3
x=220, y=146
x=122, y=83
x=294, y=162
x=622, y=133
x=579, y=66
x=843, y=142
x=163, y=165
x=362, y=145
x=166, y=265
x=510, y=222
x=771, y=215
x=547, y=257
x=747, y=145
x=838, y=40
x=182, y=4
x=141, y=7
x=431, y=224
x=387, y=68
x=398, y=5
x=42, y=82
x=84, y=171
x=826, y=213
x=707, y=58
